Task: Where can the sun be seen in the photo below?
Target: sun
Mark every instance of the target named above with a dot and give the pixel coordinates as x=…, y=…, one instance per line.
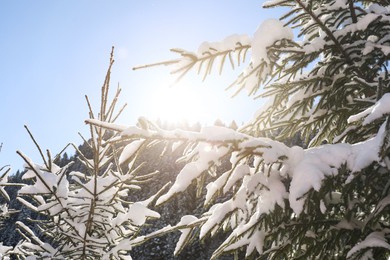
x=194, y=101
x=179, y=102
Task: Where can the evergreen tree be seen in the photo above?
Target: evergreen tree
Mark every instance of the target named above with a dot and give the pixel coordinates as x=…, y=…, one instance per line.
x=330, y=201
x=219, y=122
x=233, y=125
x=88, y=214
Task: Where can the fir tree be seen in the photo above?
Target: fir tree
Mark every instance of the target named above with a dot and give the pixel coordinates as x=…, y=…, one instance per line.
x=88, y=214
x=233, y=125
x=329, y=201
x=219, y=122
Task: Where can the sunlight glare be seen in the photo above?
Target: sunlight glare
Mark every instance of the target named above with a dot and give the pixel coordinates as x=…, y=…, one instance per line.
x=179, y=102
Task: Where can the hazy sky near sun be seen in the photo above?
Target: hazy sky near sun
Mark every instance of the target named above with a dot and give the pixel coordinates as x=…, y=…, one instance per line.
x=55, y=52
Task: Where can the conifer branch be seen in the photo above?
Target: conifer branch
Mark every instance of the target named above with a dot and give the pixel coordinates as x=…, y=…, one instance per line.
x=38, y=147
x=326, y=30
x=352, y=11
x=207, y=59
x=165, y=63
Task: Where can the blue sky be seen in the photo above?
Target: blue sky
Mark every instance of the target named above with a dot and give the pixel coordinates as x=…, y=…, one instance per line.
x=55, y=52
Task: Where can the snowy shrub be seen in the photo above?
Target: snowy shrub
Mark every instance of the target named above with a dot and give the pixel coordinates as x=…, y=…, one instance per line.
x=87, y=215
x=326, y=79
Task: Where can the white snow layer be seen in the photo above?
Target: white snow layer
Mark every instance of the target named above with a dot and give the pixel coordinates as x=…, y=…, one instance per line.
x=208, y=155
x=129, y=150
x=230, y=43
x=269, y=32
x=361, y=25
x=4, y=250
x=138, y=213
x=317, y=163
x=185, y=233
x=380, y=108
x=375, y=239
x=307, y=168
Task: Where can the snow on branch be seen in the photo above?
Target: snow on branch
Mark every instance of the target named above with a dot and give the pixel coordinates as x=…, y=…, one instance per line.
x=378, y=110
x=375, y=239
x=269, y=33
x=206, y=56
x=213, y=143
